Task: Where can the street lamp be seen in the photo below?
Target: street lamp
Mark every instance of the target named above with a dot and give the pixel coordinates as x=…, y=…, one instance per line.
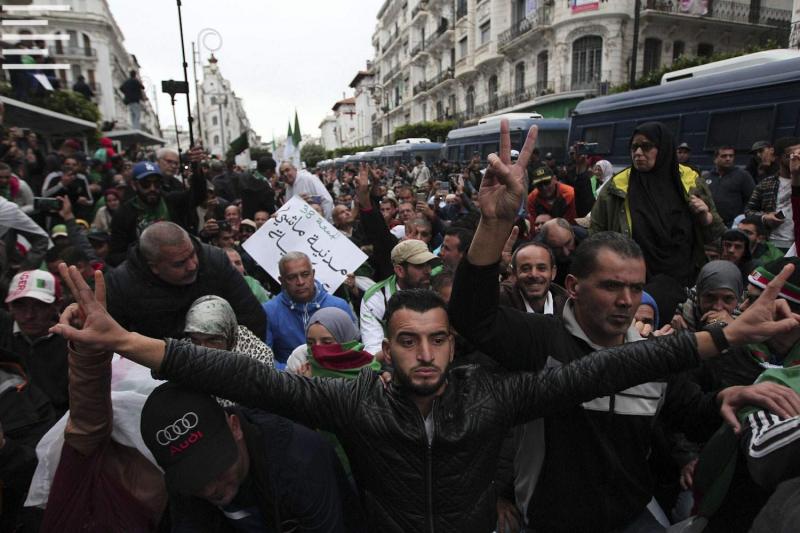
x=201, y=41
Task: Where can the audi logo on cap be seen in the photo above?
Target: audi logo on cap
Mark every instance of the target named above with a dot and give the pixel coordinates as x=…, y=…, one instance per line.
x=177, y=429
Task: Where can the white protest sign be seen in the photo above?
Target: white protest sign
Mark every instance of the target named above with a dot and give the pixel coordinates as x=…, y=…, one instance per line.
x=296, y=227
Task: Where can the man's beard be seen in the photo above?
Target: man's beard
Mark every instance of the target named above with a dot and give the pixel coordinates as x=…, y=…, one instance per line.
x=151, y=199
x=404, y=381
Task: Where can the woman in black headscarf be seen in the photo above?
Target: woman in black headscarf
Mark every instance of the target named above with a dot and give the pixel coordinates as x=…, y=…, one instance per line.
x=665, y=207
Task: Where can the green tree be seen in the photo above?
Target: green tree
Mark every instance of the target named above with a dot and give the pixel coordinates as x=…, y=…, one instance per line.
x=350, y=150
x=312, y=154
x=69, y=103
x=652, y=79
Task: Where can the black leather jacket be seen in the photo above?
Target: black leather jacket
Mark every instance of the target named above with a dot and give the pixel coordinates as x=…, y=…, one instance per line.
x=142, y=302
x=406, y=483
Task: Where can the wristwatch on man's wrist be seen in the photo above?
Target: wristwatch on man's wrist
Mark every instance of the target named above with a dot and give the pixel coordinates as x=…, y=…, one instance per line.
x=719, y=338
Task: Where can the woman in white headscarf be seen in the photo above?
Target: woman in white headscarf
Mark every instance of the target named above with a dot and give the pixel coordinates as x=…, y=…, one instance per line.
x=601, y=173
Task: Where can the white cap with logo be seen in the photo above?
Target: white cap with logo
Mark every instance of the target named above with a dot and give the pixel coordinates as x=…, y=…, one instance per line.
x=38, y=284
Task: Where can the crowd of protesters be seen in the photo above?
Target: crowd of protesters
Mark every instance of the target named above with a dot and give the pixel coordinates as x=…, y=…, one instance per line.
x=481, y=371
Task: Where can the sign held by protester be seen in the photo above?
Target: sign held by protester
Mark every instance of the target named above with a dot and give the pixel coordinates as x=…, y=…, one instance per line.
x=296, y=227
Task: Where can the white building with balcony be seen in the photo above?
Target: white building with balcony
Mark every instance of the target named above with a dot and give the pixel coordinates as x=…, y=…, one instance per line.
x=222, y=117
x=439, y=59
x=363, y=86
x=95, y=49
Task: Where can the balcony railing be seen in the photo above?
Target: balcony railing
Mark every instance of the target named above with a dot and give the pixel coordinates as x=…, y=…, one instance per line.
x=391, y=73
x=443, y=76
x=545, y=87
x=72, y=51
x=728, y=11
x=421, y=87
x=600, y=87
x=505, y=100
x=444, y=25
x=418, y=48
x=540, y=18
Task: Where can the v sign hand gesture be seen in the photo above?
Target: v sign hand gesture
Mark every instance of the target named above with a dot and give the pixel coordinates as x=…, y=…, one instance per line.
x=504, y=184
x=499, y=198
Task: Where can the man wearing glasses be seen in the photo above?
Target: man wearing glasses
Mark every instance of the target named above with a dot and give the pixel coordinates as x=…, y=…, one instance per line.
x=151, y=204
x=170, y=164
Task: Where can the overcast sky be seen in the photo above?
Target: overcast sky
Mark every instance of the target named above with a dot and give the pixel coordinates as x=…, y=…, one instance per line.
x=278, y=55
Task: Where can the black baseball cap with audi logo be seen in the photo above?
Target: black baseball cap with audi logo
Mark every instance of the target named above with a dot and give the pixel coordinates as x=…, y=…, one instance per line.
x=188, y=434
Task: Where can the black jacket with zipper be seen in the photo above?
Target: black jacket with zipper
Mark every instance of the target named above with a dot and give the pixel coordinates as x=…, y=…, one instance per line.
x=407, y=484
x=142, y=302
x=595, y=475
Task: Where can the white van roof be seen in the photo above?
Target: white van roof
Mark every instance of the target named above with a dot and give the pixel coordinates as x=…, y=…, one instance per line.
x=509, y=116
x=734, y=63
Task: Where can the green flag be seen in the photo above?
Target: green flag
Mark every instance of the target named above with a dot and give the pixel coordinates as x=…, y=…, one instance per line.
x=296, y=137
x=239, y=145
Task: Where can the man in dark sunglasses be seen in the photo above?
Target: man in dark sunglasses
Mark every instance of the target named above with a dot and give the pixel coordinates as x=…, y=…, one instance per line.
x=154, y=203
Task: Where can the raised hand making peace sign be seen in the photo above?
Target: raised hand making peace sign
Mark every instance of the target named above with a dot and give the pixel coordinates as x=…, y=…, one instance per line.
x=501, y=193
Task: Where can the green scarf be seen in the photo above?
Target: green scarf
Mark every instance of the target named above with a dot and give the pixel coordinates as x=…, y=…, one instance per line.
x=147, y=215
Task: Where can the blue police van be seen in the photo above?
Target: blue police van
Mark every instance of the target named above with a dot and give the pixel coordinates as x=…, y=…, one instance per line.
x=735, y=102
x=483, y=139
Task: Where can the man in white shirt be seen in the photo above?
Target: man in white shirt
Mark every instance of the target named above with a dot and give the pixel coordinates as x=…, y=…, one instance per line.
x=420, y=175
x=303, y=183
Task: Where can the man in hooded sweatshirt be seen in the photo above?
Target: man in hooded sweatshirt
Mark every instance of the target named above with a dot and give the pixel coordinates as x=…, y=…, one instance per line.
x=301, y=296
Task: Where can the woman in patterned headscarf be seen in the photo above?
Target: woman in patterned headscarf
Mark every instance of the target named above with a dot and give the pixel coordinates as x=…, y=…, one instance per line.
x=211, y=322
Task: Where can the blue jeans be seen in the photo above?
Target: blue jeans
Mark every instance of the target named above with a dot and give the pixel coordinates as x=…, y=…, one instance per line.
x=135, y=109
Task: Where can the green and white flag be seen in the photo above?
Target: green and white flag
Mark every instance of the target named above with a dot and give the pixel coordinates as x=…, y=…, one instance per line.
x=289, y=147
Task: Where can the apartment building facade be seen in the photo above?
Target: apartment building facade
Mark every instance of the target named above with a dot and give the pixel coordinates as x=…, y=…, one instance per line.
x=464, y=59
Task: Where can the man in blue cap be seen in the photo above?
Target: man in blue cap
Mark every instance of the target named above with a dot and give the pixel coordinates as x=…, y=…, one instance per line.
x=151, y=204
